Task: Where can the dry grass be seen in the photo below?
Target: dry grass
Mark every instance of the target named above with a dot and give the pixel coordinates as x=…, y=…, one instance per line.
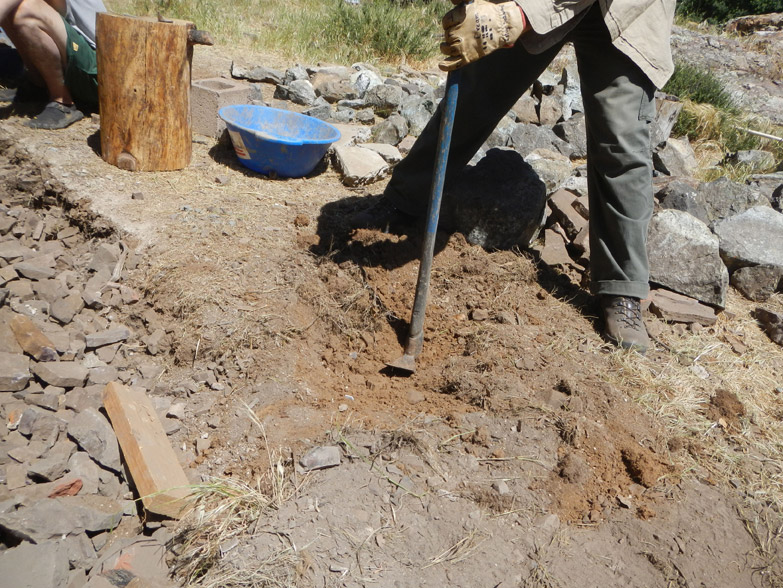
x=226, y=512
x=748, y=456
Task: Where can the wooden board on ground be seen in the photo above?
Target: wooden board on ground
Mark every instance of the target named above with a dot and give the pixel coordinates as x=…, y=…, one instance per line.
x=154, y=468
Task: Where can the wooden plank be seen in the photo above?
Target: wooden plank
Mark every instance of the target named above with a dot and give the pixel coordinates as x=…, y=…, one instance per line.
x=154, y=468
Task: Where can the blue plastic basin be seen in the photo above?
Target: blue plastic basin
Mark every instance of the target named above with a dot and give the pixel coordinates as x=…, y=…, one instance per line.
x=270, y=140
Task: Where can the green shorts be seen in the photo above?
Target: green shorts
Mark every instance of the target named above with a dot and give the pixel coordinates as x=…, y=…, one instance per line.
x=81, y=67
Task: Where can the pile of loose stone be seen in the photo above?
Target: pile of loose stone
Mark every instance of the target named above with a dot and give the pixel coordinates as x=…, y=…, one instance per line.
x=532, y=166
x=68, y=326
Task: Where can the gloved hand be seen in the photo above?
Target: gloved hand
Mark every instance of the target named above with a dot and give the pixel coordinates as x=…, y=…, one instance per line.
x=476, y=29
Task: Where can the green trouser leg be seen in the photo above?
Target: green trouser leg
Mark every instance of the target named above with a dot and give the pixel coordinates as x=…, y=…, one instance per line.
x=619, y=105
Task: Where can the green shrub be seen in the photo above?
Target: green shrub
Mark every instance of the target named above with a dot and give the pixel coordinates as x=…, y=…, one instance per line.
x=700, y=86
x=719, y=11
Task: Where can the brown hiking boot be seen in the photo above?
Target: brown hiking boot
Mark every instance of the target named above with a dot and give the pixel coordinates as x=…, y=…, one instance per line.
x=623, y=324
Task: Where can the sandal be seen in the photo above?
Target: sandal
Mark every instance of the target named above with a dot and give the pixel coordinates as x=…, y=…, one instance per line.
x=56, y=116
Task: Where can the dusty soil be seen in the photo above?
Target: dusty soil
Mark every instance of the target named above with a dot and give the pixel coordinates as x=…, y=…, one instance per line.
x=523, y=452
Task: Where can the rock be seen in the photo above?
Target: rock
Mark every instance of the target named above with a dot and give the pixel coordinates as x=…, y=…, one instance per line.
x=107, y=337
x=390, y=153
x=415, y=396
x=526, y=138
x=64, y=309
x=496, y=204
x=320, y=111
x=573, y=131
x=755, y=159
x=333, y=87
x=385, y=99
x=758, y=282
x=320, y=457
x=92, y=291
x=63, y=374
x=554, y=252
x=683, y=195
x=525, y=109
x=676, y=158
x=142, y=557
x=28, y=565
x=752, y=238
x=392, y=130
x=724, y=198
x=667, y=111
x=674, y=307
x=54, y=463
x=572, y=91
x=258, y=73
x=501, y=134
x=359, y=166
x=36, y=269
x=770, y=186
x=92, y=431
x=501, y=487
x=364, y=80
x=51, y=518
x=14, y=372
x=699, y=274
x=562, y=204
x=85, y=469
x=298, y=91
x=155, y=342
x=552, y=167
x=771, y=323
x=105, y=258
x=755, y=22
x=550, y=108
x=418, y=111
x=297, y=72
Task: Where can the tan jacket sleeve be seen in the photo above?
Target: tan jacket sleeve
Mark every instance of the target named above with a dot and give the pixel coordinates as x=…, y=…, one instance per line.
x=639, y=28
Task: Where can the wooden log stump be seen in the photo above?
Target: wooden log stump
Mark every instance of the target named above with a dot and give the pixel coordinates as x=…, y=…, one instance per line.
x=144, y=91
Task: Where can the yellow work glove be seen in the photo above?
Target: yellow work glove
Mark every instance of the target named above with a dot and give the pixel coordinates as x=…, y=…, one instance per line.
x=476, y=29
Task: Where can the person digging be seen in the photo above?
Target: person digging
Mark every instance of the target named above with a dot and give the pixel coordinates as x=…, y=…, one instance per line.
x=623, y=53
x=56, y=41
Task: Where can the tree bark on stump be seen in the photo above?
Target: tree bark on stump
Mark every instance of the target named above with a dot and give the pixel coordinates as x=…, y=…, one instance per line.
x=144, y=92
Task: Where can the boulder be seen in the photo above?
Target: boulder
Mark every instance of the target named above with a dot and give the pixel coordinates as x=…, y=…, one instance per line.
x=93, y=433
x=758, y=282
x=31, y=565
x=700, y=274
x=298, y=91
x=724, y=198
x=676, y=158
x=771, y=186
x=498, y=203
x=573, y=132
x=385, y=99
x=333, y=87
x=752, y=238
x=572, y=91
x=258, y=73
x=685, y=196
x=525, y=109
x=364, y=80
x=14, y=371
x=501, y=134
x=757, y=160
x=771, y=323
x=418, y=111
x=63, y=374
x=526, y=138
x=392, y=130
x=358, y=165
x=553, y=168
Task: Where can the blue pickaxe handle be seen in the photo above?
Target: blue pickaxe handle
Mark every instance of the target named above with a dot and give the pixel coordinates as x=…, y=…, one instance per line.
x=416, y=333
